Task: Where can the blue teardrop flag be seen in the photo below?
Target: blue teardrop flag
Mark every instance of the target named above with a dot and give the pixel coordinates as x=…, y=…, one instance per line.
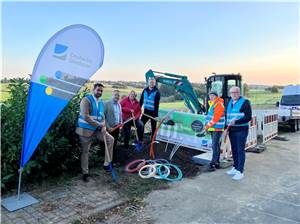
x=64, y=64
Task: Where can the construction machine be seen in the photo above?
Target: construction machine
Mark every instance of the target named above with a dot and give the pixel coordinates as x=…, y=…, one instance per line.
x=221, y=83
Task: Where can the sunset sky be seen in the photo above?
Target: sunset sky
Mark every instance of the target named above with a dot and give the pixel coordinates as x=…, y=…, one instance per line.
x=259, y=40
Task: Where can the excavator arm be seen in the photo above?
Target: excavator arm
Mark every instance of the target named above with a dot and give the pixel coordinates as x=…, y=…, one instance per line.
x=181, y=85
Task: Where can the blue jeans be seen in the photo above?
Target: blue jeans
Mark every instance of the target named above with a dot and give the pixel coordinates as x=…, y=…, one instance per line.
x=215, y=136
x=127, y=127
x=238, y=143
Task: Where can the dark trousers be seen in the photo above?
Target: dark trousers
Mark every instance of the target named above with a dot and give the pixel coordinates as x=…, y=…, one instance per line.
x=215, y=136
x=127, y=128
x=153, y=122
x=115, y=134
x=238, y=143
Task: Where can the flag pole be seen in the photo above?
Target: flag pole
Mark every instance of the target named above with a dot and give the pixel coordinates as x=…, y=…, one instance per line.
x=19, y=185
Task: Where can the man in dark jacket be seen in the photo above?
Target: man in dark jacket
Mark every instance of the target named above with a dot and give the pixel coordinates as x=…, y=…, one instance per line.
x=238, y=115
x=150, y=99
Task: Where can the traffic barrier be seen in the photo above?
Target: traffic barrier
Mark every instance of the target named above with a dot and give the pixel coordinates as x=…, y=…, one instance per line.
x=267, y=124
x=270, y=127
x=252, y=133
x=250, y=143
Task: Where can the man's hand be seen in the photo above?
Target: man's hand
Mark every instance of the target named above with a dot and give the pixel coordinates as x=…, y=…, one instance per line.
x=103, y=130
x=232, y=122
x=109, y=129
x=102, y=124
x=206, y=128
x=225, y=132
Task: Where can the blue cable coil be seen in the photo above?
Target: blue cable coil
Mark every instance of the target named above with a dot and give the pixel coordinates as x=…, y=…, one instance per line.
x=161, y=174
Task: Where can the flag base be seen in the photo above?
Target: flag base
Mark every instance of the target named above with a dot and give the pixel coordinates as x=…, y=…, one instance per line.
x=13, y=203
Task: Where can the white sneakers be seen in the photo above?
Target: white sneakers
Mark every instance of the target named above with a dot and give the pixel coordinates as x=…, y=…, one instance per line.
x=232, y=171
x=237, y=175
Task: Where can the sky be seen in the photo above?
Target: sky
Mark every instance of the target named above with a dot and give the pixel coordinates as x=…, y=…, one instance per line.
x=259, y=40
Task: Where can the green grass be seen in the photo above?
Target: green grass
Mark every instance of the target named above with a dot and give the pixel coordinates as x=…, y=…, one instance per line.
x=173, y=105
x=258, y=99
x=263, y=98
x=4, y=94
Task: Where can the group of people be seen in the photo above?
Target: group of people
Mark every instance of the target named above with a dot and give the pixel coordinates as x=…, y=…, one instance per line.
x=233, y=121
x=103, y=120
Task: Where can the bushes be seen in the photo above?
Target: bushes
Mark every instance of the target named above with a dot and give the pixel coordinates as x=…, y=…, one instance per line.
x=168, y=94
x=119, y=86
x=56, y=153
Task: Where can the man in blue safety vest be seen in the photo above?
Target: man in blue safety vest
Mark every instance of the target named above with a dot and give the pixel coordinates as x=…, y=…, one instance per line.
x=215, y=123
x=91, y=124
x=150, y=99
x=238, y=115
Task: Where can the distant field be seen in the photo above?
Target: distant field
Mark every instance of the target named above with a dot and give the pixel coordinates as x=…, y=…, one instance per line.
x=180, y=106
x=259, y=99
x=262, y=98
x=172, y=105
x=4, y=94
x=107, y=93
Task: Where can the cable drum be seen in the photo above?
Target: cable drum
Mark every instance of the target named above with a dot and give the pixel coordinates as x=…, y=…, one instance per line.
x=151, y=171
x=150, y=161
x=179, y=173
x=161, y=161
x=135, y=165
x=158, y=168
x=164, y=173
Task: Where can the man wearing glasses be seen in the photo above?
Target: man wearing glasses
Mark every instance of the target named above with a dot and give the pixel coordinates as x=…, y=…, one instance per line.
x=113, y=116
x=238, y=115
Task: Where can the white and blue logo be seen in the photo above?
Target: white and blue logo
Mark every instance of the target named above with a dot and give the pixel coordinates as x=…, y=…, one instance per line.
x=60, y=51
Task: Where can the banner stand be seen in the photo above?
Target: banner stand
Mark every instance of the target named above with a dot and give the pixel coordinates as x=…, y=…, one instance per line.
x=18, y=201
x=65, y=63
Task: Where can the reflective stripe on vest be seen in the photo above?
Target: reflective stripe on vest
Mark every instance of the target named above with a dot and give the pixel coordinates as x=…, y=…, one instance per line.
x=149, y=100
x=96, y=114
x=220, y=124
x=233, y=112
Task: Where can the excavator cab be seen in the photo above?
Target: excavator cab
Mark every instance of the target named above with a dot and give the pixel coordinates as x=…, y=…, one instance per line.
x=221, y=83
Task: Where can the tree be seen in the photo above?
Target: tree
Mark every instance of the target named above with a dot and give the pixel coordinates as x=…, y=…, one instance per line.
x=246, y=89
x=166, y=91
x=274, y=89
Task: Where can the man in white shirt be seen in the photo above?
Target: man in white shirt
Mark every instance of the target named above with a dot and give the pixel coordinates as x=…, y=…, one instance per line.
x=113, y=115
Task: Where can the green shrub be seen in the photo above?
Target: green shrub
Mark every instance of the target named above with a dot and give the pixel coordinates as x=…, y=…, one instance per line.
x=57, y=152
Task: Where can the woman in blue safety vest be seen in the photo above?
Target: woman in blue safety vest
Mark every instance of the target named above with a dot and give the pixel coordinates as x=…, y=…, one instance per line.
x=238, y=116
